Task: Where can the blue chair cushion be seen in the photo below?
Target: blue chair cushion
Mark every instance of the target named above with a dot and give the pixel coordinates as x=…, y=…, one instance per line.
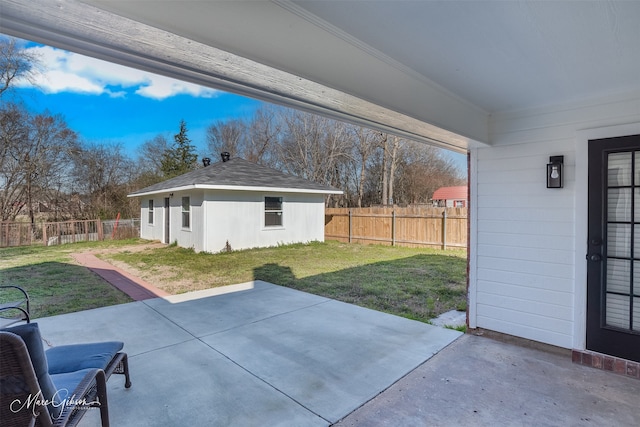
x=69, y=358
x=67, y=382
x=30, y=334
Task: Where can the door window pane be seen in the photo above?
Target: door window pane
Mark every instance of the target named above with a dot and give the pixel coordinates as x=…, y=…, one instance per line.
x=619, y=240
x=618, y=275
x=619, y=204
x=636, y=279
x=617, y=311
x=619, y=169
x=636, y=203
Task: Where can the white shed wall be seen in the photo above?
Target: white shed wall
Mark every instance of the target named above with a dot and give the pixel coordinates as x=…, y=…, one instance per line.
x=526, y=276
x=238, y=217
x=193, y=236
x=152, y=231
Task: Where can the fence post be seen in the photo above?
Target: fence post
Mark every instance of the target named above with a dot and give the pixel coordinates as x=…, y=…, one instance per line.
x=100, y=230
x=349, y=225
x=44, y=234
x=393, y=227
x=444, y=229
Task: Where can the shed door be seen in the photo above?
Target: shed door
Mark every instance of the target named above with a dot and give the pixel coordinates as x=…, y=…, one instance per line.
x=613, y=272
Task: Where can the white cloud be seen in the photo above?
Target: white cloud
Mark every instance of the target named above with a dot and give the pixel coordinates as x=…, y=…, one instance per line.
x=70, y=72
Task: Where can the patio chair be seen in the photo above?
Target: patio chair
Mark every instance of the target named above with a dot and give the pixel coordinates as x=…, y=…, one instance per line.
x=15, y=307
x=105, y=355
x=30, y=396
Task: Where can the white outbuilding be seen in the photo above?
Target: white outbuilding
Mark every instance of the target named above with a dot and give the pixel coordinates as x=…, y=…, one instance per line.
x=233, y=204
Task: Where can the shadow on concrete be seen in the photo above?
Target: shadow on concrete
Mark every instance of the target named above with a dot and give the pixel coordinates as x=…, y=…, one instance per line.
x=419, y=287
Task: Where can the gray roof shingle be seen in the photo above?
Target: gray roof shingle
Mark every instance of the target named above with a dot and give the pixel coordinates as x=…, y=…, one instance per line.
x=240, y=174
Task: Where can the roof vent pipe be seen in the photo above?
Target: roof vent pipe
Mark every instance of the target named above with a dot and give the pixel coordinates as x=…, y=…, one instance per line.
x=225, y=156
x=206, y=161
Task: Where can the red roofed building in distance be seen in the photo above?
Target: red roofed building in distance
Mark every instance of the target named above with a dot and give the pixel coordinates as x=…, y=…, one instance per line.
x=450, y=197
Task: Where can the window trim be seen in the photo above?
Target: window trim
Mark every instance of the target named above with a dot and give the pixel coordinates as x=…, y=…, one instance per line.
x=187, y=211
x=266, y=211
x=150, y=217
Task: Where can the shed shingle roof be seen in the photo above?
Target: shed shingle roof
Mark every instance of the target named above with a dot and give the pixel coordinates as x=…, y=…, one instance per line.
x=237, y=174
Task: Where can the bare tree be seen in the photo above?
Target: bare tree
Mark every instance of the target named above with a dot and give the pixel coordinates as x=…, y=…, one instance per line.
x=364, y=143
x=103, y=173
x=35, y=151
x=149, y=161
x=312, y=146
x=227, y=136
x=393, y=162
x=14, y=130
x=384, y=143
x=16, y=63
x=264, y=132
x=423, y=170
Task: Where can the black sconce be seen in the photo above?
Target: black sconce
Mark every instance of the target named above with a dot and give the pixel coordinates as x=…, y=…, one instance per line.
x=554, y=172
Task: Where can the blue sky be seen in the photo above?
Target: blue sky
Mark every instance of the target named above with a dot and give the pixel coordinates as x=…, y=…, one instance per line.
x=105, y=102
x=108, y=103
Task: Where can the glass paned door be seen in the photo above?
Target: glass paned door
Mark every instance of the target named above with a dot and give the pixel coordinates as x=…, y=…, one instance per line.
x=613, y=272
x=623, y=240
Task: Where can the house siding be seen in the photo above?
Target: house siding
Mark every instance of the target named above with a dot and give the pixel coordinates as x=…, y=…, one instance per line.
x=152, y=231
x=526, y=274
x=238, y=218
x=191, y=237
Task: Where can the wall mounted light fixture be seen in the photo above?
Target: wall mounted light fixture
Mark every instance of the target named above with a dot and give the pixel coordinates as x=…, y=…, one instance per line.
x=554, y=172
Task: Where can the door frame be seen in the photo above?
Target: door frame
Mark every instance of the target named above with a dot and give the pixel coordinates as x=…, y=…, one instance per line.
x=581, y=222
x=166, y=228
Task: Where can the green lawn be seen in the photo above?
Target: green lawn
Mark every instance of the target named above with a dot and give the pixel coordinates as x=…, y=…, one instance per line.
x=55, y=283
x=416, y=283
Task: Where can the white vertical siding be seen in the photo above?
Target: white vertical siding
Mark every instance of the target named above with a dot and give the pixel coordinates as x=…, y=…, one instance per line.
x=152, y=231
x=238, y=218
x=192, y=237
x=525, y=240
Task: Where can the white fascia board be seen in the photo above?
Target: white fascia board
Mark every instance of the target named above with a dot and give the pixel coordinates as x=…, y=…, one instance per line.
x=268, y=189
x=237, y=188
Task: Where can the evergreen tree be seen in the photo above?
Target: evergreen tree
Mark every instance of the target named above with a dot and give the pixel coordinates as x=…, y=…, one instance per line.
x=181, y=157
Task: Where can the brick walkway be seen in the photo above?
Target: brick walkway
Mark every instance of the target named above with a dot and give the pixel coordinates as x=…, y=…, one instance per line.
x=133, y=286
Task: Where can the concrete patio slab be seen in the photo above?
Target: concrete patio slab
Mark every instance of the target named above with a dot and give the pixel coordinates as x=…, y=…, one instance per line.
x=141, y=328
x=217, y=309
x=253, y=354
x=479, y=381
x=331, y=357
x=191, y=385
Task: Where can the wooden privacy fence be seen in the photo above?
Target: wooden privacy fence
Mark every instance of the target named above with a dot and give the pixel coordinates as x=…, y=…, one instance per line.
x=413, y=226
x=57, y=233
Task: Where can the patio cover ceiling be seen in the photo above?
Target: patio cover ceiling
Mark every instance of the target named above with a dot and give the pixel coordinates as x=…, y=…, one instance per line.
x=434, y=71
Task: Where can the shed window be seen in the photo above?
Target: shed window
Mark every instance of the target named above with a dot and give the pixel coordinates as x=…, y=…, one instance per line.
x=272, y=211
x=186, y=212
x=150, y=211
